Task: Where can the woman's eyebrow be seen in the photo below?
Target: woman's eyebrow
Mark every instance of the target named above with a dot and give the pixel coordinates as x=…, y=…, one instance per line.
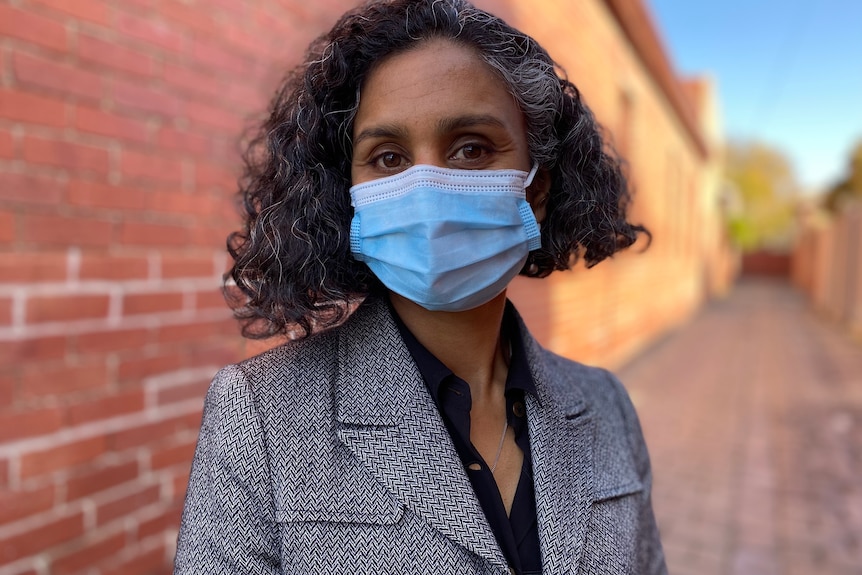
x=385, y=131
x=449, y=124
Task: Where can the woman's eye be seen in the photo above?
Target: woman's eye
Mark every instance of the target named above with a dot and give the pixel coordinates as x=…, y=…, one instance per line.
x=470, y=152
x=389, y=160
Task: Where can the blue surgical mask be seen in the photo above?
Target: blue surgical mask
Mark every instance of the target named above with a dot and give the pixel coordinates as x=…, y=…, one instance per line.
x=449, y=240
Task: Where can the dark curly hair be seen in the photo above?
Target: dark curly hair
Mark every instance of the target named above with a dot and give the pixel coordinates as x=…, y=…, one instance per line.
x=293, y=270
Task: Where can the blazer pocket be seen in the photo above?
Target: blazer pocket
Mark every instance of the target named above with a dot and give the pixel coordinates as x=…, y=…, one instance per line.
x=607, y=492
x=360, y=512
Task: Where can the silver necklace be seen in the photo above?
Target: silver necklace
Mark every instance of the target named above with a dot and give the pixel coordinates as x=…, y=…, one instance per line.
x=500, y=447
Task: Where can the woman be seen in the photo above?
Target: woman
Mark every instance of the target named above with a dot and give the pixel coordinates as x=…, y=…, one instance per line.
x=423, y=155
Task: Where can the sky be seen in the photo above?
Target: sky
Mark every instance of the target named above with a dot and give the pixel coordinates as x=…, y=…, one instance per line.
x=788, y=73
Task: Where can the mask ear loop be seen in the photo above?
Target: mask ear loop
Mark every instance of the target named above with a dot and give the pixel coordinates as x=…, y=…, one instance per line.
x=532, y=268
x=531, y=175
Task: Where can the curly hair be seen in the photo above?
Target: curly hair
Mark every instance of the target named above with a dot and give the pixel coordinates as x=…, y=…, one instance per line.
x=293, y=269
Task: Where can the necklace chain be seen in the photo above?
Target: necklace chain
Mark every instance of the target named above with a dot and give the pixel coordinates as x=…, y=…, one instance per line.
x=500, y=447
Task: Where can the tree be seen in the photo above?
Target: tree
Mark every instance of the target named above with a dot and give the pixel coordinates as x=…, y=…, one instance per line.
x=766, y=183
x=851, y=186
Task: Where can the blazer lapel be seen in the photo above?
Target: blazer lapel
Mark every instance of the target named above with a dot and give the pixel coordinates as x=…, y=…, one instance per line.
x=388, y=419
x=561, y=441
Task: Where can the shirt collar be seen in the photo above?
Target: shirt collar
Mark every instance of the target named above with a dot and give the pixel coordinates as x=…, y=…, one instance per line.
x=434, y=372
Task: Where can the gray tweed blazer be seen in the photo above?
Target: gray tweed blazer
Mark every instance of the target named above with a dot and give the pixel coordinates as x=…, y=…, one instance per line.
x=328, y=456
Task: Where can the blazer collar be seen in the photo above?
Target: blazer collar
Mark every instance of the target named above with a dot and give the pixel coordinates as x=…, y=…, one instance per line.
x=561, y=441
x=388, y=419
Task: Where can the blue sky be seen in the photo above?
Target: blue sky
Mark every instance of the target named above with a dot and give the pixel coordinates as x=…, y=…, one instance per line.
x=788, y=73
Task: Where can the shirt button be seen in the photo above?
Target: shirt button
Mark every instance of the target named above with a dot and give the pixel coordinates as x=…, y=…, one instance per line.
x=475, y=466
x=518, y=409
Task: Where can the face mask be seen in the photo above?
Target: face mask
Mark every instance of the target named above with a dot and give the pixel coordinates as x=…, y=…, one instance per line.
x=446, y=239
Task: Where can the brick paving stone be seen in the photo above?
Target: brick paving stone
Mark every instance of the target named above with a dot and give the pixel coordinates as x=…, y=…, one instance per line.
x=753, y=416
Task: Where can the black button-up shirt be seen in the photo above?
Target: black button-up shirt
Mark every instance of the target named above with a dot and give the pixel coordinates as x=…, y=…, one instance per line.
x=517, y=534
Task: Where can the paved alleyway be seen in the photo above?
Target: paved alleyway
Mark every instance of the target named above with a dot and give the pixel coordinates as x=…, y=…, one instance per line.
x=753, y=415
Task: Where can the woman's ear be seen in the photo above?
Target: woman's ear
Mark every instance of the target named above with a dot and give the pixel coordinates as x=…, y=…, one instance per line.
x=537, y=193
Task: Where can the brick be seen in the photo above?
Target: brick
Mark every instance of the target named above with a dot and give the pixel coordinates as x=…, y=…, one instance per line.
x=143, y=562
x=191, y=80
x=92, y=10
x=31, y=350
x=135, y=233
x=64, y=154
x=61, y=231
x=43, y=381
x=100, y=266
x=29, y=423
x=111, y=406
x=180, y=483
x=207, y=174
x=115, y=57
x=96, y=121
x=89, y=553
x=170, y=139
x=31, y=189
x=188, y=16
x=112, y=341
x=146, y=303
x=186, y=391
x=100, y=478
x=210, y=236
x=242, y=94
x=15, y=505
x=32, y=27
x=176, y=202
x=132, y=96
x=226, y=121
x=174, y=455
x=8, y=390
x=184, y=267
x=140, y=367
x=137, y=166
x=5, y=310
x=7, y=227
x=99, y=195
x=152, y=32
x=47, y=535
x=220, y=58
x=64, y=456
x=66, y=308
x=166, y=521
x=198, y=331
x=32, y=266
x=56, y=77
x=7, y=145
x=210, y=299
x=127, y=504
x=152, y=433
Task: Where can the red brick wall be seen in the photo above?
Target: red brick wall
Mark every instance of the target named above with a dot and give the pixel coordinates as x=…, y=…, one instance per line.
x=118, y=131
x=118, y=157
x=827, y=264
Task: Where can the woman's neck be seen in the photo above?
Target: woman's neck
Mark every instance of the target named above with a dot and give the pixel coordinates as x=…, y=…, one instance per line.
x=466, y=342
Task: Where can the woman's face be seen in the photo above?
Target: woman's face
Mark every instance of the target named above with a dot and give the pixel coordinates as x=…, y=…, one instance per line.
x=438, y=104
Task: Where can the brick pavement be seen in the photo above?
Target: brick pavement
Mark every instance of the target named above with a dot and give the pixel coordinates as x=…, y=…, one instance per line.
x=753, y=416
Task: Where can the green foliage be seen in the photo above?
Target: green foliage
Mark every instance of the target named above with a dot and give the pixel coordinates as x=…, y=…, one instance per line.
x=851, y=186
x=766, y=184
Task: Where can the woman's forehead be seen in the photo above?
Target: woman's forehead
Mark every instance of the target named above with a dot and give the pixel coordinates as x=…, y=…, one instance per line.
x=436, y=82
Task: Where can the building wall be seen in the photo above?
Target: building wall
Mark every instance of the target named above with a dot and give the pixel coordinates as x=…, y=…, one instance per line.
x=605, y=314
x=826, y=264
x=118, y=157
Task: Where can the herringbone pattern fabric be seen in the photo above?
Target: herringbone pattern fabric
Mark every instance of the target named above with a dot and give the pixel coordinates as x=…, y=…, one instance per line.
x=328, y=456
